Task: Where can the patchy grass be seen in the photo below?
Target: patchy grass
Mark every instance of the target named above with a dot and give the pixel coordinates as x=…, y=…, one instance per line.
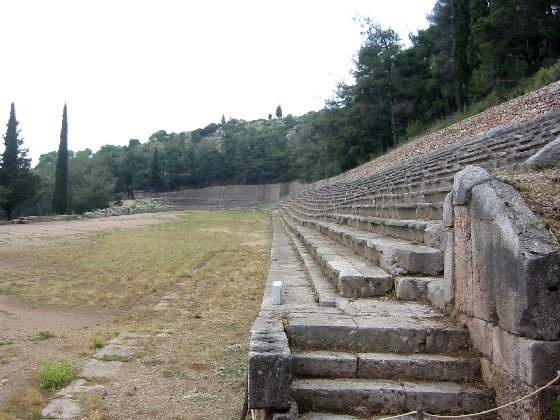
x=45, y=335
x=540, y=188
x=120, y=269
x=97, y=342
x=215, y=262
x=25, y=404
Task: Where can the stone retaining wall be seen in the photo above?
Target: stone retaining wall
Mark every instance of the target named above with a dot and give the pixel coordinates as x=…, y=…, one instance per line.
x=264, y=193
x=503, y=269
x=516, y=112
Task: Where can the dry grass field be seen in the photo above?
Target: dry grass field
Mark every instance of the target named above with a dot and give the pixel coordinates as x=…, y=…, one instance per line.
x=64, y=283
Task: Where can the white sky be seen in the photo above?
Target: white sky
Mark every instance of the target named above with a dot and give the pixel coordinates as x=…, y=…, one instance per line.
x=128, y=68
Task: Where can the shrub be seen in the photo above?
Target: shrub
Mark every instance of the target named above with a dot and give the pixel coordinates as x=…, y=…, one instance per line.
x=54, y=375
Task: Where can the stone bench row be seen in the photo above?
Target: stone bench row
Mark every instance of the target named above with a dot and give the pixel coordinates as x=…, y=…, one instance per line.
x=496, y=149
x=427, y=232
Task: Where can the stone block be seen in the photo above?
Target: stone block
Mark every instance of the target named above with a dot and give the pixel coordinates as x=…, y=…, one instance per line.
x=425, y=367
x=516, y=264
x=462, y=261
x=547, y=157
x=322, y=364
x=375, y=336
x=320, y=333
x=269, y=379
x=508, y=388
x=448, y=210
x=412, y=288
x=480, y=332
x=464, y=182
x=446, y=340
x=270, y=366
x=531, y=361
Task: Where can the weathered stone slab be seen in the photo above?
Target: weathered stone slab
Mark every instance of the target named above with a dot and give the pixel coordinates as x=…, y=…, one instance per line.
x=532, y=361
x=98, y=369
x=443, y=340
x=62, y=408
x=117, y=352
x=80, y=386
x=481, y=335
x=412, y=288
x=323, y=364
x=448, y=210
x=321, y=333
x=516, y=264
x=548, y=156
x=462, y=261
x=359, y=396
x=445, y=397
x=465, y=181
x=426, y=367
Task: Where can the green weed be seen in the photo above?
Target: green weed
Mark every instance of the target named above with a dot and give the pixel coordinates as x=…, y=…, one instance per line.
x=54, y=375
x=97, y=342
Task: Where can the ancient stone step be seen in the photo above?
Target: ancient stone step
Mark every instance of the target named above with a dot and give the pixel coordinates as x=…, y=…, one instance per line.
x=325, y=292
x=423, y=211
x=420, y=231
x=376, y=326
x=352, y=275
x=363, y=397
x=396, y=256
x=427, y=367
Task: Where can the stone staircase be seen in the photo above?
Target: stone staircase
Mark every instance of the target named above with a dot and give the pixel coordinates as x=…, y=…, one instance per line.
x=361, y=265
x=363, y=356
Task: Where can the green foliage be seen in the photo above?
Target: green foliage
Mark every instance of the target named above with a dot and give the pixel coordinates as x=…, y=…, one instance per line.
x=55, y=375
x=17, y=182
x=278, y=111
x=45, y=335
x=97, y=342
x=61, y=199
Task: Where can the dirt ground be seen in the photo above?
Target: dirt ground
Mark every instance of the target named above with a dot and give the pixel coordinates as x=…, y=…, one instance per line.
x=31, y=333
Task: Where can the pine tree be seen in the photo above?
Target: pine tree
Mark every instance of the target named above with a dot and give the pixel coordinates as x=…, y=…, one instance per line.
x=156, y=180
x=278, y=111
x=60, y=201
x=17, y=182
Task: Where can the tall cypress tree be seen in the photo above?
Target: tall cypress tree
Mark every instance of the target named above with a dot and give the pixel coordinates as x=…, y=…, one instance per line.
x=17, y=182
x=60, y=201
x=461, y=33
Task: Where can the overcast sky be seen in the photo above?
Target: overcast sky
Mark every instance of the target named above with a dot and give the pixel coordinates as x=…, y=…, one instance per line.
x=128, y=68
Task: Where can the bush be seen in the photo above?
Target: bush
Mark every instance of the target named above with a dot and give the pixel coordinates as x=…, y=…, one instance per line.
x=54, y=375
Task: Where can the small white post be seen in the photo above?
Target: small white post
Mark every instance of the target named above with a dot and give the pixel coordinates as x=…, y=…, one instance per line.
x=277, y=292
